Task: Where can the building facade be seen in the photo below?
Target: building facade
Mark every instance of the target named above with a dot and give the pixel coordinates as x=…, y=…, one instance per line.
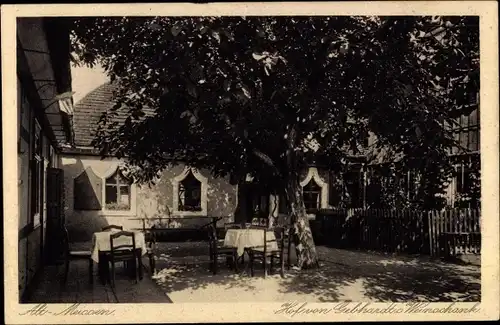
x=372, y=181
x=98, y=191
x=43, y=107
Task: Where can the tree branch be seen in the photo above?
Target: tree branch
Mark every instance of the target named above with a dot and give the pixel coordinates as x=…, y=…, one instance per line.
x=266, y=159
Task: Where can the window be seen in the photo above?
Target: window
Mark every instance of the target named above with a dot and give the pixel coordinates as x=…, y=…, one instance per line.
x=117, y=192
x=464, y=179
x=466, y=132
x=353, y=189
x=37, y=176
x=315, y=191
x=312, y=194
x=190, y=193
x=408, y=184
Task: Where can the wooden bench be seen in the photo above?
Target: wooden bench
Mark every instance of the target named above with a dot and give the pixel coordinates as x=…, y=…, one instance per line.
x=154, y=233
x=456, y=243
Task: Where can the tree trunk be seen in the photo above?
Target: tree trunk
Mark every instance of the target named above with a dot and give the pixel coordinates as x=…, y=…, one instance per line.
x=302, y=235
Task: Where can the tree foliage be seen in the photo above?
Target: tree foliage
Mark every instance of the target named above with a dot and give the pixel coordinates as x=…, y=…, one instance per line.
x=270, y=95
x=247, y=81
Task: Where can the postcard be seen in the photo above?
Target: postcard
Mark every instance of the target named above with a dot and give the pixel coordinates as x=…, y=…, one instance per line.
x=250, y=162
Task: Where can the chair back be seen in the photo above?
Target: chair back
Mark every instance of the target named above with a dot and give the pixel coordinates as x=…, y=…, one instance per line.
x=232, y=225
x=282, y=235
x=212, y=233
x=212, y=239
x=150, y=236
x=110, y=227
x=122, y=247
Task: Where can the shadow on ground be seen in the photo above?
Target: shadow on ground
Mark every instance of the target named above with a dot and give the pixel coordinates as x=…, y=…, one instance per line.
x=50, y=287
x=343, y=276
x=186, y=266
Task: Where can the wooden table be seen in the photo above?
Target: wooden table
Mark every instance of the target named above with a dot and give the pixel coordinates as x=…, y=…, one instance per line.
x=101, y=247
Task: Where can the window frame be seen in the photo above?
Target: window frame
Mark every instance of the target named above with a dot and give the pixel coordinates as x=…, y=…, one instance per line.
x=463, y=175
x=313, y=175
x=183, y=189
x=36, y=175
x=132, y=195
x=462, y=127
x=119, y=182
x=203, y=195
x=316, y=191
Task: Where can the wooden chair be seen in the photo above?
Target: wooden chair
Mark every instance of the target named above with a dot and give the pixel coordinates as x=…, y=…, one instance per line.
x=262, y=252
x=150, y=236
x=217, y=249
x=284, y=239
x=123, y=253
x=110, y=227
x=69, y=255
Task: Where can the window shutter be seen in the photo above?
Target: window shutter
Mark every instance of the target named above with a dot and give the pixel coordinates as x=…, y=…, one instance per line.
x=87, y=191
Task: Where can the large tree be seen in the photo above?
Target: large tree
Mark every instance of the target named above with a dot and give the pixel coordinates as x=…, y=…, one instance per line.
x=270, y=95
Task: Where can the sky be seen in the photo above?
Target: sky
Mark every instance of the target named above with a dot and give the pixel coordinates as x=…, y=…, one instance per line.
x=84, y=80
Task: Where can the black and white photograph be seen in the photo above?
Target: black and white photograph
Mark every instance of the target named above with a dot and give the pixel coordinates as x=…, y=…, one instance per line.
x=291, y=159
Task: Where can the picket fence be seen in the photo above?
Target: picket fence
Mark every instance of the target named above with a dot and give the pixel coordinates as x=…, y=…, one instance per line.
x=454, y=232
x=437, y=233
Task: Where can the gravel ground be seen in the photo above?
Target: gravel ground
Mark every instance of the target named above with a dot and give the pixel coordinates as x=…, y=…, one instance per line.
x=343, y=275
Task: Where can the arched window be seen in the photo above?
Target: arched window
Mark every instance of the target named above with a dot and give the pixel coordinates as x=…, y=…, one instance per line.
x=117, y=192
x=190, y=193
x=315, y=191
x=312, y=196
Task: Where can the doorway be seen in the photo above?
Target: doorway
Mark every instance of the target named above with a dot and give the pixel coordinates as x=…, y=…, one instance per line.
x=253, y=202
x=55, y=214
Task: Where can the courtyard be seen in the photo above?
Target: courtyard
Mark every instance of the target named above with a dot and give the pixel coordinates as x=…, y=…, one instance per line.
x=344, y=275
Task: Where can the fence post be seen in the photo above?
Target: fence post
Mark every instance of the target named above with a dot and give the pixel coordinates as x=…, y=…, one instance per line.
x=431, y=232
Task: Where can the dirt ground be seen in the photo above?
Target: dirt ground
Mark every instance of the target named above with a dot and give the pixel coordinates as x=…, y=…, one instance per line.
x=344, y=275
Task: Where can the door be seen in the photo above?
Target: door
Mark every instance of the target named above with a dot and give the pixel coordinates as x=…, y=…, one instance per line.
x=55, y=213
x=252, y=202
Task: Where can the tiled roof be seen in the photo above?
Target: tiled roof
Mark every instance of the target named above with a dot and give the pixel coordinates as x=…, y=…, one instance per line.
x=88, y=111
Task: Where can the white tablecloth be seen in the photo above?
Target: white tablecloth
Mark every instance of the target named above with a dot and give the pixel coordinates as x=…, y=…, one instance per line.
x=243, y=238
x=100, y=242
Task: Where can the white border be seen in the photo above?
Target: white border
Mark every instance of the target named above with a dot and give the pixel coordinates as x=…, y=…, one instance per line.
x=263, y=311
